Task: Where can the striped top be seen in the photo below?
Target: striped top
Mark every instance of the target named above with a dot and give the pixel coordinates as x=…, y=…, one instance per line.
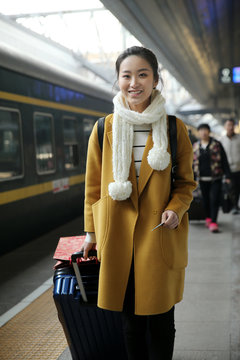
x=141, y=133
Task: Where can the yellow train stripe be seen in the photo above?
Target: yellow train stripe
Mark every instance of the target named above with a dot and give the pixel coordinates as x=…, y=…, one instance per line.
x=25, y=192
x=77, y=179
x=50, y=104
x=33, y=190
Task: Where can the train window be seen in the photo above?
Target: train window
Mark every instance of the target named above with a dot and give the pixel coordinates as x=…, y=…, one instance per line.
x=44, y=143
x=11, y=154
x=71, y=148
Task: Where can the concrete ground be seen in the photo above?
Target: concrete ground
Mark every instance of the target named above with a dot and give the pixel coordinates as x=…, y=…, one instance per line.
x=207, y=320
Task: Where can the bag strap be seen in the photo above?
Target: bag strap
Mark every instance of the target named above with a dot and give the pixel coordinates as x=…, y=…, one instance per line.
x=100, y=128
x=173, y=144
x=173, y=139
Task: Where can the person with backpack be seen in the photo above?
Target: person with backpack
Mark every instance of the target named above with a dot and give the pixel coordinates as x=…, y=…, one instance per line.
x=135, y=213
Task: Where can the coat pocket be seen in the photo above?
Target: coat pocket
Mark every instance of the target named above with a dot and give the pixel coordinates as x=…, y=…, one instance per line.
x=101, y=222
x=175, y=245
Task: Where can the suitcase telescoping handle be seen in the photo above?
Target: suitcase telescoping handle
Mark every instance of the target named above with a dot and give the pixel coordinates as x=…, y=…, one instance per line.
x=74, y=258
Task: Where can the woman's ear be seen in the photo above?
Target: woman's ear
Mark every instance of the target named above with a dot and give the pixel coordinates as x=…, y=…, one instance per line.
x=155, y=84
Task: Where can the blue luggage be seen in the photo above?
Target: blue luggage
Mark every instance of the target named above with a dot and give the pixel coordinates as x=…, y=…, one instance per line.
x=92, y=333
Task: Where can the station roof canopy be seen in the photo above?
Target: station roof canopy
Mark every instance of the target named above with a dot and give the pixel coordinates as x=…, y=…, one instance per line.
x=194, y=40
x=196, y=43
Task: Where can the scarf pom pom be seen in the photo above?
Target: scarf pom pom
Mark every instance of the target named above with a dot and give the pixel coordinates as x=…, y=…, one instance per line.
x=120, y=190
x=158, y=159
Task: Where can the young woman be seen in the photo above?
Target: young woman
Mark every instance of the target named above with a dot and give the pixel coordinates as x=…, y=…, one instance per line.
x=210, y=164
x=128, y=192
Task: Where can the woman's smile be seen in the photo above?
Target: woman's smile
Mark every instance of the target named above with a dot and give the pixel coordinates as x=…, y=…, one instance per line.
x=135, y=93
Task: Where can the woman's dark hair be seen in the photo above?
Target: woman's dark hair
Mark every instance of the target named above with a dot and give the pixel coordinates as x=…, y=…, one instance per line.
x=204, y=126
x=145, y=53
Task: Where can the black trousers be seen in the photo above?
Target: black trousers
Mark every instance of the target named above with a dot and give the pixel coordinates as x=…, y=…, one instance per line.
x=211, y=195
x=235, y=177
x=147, y=337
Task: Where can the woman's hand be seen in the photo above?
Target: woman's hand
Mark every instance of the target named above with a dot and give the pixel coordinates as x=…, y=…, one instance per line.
x=86, y=247
x=170, y=219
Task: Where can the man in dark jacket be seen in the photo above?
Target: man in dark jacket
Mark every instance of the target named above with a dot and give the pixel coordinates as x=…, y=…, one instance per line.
x=210, y=164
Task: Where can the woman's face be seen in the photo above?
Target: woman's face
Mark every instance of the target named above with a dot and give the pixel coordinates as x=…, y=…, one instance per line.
x=136, y=82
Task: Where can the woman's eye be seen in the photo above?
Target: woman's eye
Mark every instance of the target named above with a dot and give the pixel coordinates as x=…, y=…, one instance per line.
x=126, y=76
x=143, y=75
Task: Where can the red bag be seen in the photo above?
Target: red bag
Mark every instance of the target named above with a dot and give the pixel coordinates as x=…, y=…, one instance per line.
x=67, y=246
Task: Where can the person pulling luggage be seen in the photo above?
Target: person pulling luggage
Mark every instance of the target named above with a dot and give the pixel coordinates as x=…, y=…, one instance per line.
x=128, y=193
x=210, y=165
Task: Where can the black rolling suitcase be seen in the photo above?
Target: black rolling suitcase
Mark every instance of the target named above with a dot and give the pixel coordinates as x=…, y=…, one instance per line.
x=196, y=210
x=92, y=333
x=227, y=198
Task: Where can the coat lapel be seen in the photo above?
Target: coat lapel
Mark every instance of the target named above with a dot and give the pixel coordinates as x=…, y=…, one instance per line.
x=132, y=176
x=145, y=170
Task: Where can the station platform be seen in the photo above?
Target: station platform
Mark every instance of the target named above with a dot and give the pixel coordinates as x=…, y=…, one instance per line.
x=207, y=320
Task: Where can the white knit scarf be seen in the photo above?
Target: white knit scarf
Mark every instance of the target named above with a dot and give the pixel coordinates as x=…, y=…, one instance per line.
x=123, y=121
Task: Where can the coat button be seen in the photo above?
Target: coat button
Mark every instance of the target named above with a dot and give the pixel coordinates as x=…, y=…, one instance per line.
x=155, y=212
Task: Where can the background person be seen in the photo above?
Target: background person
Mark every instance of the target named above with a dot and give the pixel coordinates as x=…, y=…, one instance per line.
x=210, y=165
x=231, y=144
x=127, y=193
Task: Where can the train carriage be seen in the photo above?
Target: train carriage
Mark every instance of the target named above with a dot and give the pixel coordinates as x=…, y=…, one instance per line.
x=46, y=116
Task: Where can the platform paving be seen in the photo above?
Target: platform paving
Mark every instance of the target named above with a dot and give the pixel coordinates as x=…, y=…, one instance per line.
x=208, y=318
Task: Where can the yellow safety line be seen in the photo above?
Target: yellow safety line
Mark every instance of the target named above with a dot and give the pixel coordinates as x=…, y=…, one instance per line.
x=33, y=190
x=29, y=100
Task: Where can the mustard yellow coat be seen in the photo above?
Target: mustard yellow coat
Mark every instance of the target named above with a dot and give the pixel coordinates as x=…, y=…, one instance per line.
x=123, y=228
